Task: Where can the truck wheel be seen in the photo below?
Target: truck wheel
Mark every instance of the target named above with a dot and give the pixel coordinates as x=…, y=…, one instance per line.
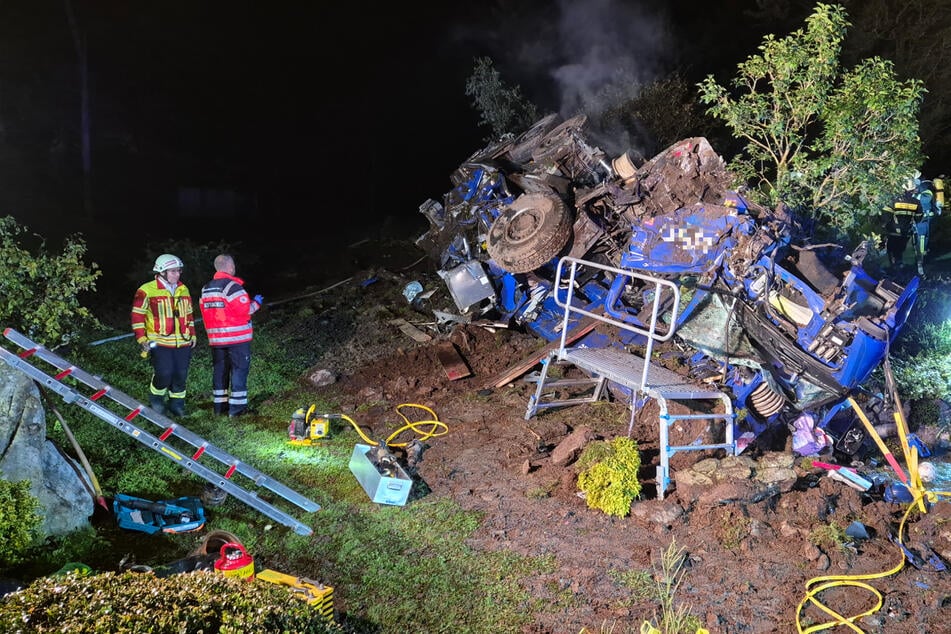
x=529, y=233
x=525, y=144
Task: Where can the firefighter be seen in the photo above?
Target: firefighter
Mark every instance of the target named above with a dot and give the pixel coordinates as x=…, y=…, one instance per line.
x=910, y=216
x=900, y=222
x=226, y=310
x=931, y=197
x=163, y=324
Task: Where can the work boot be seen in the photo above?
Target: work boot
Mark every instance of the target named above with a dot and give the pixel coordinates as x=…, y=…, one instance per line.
x=176, y=406
x=157, y=403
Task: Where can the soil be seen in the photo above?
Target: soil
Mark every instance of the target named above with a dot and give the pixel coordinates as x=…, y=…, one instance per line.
x=749, y=551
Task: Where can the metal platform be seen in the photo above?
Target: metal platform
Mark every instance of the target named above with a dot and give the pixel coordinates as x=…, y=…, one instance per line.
x=612, y=364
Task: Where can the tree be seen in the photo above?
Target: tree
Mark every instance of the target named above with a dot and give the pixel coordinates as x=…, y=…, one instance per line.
x=833, y=145
x=662, y=113
x=41, y=291
x=502, y=108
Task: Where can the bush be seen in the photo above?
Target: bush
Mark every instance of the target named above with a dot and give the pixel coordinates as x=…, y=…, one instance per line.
x=610, y=484
x=41, y=291
x=18, y=521
x=926, y=375
x=201, y=601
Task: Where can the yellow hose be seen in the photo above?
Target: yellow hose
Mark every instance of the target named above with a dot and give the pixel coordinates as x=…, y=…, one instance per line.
x=435, y=426
x=818, y=584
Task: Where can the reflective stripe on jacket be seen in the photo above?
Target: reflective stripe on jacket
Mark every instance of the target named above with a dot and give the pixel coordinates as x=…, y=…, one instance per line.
x=163, y=317
x=226, y=310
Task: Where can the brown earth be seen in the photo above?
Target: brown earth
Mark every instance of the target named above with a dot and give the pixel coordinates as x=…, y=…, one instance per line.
x=749, y=550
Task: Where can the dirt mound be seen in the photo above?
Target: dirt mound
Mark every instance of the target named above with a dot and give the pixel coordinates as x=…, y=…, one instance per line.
x=750, y=549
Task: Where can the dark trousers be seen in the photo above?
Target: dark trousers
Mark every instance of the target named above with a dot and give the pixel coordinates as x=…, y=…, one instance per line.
x=229, y=378
x=169, y=374
x=170, y=371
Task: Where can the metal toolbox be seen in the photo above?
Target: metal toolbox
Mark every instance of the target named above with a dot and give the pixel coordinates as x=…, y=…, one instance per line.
x=385, y=483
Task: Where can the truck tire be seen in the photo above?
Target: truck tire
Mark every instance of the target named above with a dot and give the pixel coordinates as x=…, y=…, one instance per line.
x=525, y=144
x=529, y=233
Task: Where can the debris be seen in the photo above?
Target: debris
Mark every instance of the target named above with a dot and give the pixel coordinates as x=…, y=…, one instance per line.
x=411, y=331
x=452, y=362
x=775, y=315
x=523, y=366
x=857, y=530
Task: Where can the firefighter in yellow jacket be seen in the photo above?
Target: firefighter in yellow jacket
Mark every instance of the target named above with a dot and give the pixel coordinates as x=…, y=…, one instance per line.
x=163, y=323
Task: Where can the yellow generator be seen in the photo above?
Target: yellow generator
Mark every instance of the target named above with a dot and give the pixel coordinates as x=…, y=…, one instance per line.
x=307, y=428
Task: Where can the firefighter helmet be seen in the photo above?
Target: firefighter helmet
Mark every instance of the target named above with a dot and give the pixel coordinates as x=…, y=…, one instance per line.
x=167, y=261
x=913, y=182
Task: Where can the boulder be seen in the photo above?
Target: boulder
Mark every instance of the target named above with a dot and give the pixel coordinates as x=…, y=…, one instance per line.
x=56, y=480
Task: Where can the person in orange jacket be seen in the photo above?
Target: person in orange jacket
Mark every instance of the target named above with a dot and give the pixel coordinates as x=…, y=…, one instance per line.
x=226, y=310
x=163, y=324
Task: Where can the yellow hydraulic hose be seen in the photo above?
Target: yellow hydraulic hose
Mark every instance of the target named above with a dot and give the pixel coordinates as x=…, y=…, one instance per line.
x=435, y=426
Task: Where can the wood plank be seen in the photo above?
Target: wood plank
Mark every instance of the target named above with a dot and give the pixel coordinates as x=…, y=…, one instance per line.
x=410, y=330
x=508, y=375
x=452, y=362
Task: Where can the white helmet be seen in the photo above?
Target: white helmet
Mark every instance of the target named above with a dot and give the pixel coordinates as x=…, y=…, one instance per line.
x=165, y=262
x=913, y=182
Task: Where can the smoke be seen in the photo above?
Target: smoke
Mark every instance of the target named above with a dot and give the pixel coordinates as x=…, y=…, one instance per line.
x=611, y=49
x=586, y=56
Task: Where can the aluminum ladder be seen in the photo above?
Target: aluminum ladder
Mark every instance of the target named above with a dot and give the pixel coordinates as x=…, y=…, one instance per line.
x=169, y=429
x=629, y=370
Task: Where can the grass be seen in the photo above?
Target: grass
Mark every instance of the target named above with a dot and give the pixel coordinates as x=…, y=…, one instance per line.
x=393, y=569
x=831, y=536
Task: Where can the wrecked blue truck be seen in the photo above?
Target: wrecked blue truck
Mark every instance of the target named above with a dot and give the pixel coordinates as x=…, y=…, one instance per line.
x=786, y=328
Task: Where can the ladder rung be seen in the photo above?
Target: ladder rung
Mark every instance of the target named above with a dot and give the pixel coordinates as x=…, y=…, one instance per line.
x=124, y=424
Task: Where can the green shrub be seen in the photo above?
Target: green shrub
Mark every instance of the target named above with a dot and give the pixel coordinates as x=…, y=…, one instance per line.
x=18, y=520
x=41, y=291
x=116, y=603
x=611, y=483
x=925, y=375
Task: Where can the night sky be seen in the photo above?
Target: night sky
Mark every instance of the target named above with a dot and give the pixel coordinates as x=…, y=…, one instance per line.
x=326, y=122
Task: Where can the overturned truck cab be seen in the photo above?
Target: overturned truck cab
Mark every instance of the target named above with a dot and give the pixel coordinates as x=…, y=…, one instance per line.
x=786, y=328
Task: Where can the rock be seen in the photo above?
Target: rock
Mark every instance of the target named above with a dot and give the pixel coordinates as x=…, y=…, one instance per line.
x=57, y=481
x=783, y=478
x=321, y=377
x=571, y=447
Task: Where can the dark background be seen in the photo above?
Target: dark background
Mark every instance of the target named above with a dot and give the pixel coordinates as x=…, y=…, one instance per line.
x=289, y=127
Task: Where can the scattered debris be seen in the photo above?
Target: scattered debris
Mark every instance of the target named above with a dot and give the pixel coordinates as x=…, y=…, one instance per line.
x=786, y=327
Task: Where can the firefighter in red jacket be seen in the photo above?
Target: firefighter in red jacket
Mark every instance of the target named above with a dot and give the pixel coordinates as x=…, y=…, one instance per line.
x=226, y=310
x=163, y=324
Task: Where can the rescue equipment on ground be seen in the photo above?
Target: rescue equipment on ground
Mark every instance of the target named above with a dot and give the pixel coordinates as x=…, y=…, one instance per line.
x=307, y=428
x=181, y=515
x=380, y=474
x=186, y=458
x=235, y=562
x=377, y=469
x=315, y=593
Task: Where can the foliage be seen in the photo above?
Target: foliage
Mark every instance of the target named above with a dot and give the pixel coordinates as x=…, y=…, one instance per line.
x=922, y=363
x=672, y=619
x=831, y=536
x=611, y=483
x=835, y=145
x=924, y=375
x=503, y=109
x=410, y=569
x=18, y=520
x=665, y=110
x=201, y=601
x=41, y=290
x=401, y=569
